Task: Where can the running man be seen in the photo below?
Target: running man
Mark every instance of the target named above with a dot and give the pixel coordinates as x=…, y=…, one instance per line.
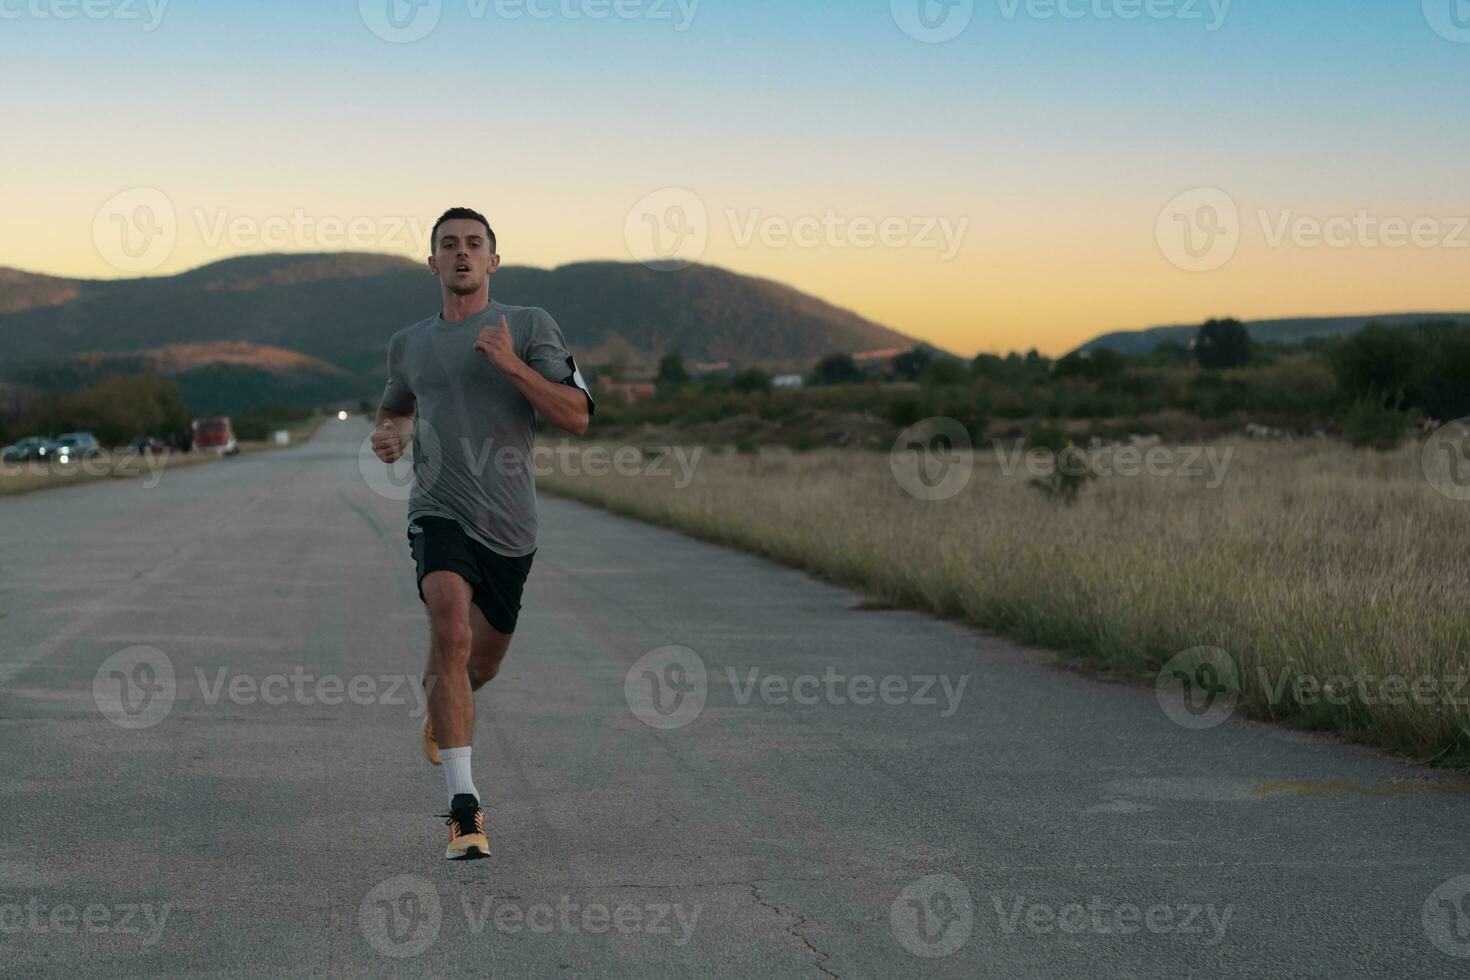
x=465, y=388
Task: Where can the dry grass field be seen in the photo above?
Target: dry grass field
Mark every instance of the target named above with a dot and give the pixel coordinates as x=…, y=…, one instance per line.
x=1336, y=579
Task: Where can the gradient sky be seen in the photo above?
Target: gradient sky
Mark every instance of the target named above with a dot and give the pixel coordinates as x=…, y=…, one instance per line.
x=1058, y=141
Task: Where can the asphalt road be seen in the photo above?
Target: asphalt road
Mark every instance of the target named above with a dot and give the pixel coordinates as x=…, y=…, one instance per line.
x=210, y=768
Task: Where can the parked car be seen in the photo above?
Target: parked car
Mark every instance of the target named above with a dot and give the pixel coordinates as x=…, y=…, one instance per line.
x=215, y=436
x=77, y=445
x=35, y=447
x=144, y=445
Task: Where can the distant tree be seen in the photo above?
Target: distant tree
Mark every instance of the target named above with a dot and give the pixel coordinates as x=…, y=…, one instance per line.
x=945, y=371
x=671, y=370
x=1095, y=365
x=1037, y=364
x=1378, y=360
x=1073, y=365
x=837, y=369
x=911, y=364
x=751, y=380
x=988, y=367
x=1426, y=365
x=117, y=409
x=1169, y=352
x=1222, y=344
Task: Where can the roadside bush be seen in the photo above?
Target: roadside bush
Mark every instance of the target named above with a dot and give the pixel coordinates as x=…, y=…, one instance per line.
x=1376, y=421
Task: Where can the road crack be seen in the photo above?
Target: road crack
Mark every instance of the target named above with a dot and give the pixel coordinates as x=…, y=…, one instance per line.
x=801, y=920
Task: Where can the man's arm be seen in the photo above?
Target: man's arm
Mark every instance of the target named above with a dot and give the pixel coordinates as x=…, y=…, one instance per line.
x=394, y=429
x=564, y=406
x=393, y=434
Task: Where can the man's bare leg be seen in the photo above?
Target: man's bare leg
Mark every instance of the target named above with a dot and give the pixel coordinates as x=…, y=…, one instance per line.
x=487, y=649
x=451, y=704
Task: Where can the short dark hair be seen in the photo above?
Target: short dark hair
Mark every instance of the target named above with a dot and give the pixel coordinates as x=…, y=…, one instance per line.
x=454, y=214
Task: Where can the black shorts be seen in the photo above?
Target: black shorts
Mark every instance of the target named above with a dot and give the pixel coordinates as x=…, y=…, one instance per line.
x=440, y=545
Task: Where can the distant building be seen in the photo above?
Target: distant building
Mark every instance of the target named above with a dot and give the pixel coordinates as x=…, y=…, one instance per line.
x=626, y=391
x=787, y=381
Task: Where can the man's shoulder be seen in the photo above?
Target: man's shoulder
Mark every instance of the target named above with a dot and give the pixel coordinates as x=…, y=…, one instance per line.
x=413, y=329
x=522, y=312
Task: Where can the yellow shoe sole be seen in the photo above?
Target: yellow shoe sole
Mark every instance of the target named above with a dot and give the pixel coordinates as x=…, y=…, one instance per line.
x=470, y=847
x=431, y=747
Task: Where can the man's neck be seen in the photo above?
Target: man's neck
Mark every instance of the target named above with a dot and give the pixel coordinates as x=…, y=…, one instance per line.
x=459, y=308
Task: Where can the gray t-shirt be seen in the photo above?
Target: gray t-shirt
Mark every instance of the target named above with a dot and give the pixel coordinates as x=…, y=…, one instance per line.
x=475, y=431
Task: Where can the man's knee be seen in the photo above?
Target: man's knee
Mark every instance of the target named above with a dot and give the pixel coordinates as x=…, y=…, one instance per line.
x=483, y=670
x=447, y=599
x=449, y=642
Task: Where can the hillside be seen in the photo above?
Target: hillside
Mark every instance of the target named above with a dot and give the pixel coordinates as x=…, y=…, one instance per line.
x=1290, y=330
x=213, y=377
x=342, y=308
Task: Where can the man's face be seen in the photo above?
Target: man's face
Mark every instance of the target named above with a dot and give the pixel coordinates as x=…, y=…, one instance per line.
x=462, y=259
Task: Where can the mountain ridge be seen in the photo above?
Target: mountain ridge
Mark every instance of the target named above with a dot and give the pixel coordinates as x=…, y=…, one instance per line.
x=342, y=308
x=1278, y=329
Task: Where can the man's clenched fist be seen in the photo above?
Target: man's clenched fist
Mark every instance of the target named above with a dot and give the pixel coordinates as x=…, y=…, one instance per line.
x=391, y=438
x=495, y=343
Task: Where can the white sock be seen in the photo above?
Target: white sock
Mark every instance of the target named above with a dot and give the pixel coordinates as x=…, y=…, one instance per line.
x=457, y=772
